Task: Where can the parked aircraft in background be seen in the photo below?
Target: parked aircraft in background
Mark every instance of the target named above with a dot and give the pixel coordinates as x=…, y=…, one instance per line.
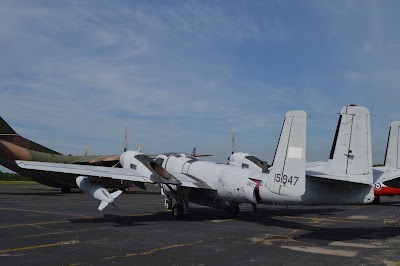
x=387, y=177
x=15, y=147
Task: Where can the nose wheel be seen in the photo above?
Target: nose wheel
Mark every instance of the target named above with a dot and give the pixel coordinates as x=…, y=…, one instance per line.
x=234, y=209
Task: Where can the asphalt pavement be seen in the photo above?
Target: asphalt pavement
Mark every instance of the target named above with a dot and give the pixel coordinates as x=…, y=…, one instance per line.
x=41, y=226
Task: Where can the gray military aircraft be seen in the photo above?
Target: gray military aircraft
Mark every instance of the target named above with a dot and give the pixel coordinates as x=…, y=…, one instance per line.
x=185, y=179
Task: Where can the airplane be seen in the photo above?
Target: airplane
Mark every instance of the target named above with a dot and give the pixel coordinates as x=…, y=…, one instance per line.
x=15, y=147
x=387, y=177
x=185, y=179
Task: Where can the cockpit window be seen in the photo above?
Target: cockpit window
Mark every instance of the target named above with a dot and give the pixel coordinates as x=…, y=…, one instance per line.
x=159, y=161
x=255, y=160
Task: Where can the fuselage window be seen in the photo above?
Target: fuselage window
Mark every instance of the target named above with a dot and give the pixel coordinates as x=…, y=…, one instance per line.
x=133, y=166
x=245, y=166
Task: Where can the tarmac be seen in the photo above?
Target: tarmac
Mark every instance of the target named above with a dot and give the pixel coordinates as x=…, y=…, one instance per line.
x=41, y=226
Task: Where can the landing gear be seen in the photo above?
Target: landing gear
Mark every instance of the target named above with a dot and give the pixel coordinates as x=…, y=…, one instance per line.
x=177, y=210
x=179, y=195
x=377, y=200
x=254, y=207
x=234, y=209
x=168, y=204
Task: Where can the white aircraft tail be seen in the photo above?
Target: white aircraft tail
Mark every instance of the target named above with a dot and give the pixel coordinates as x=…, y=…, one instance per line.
x=351, y=152
x=287, y=174
x=392, y=158
x=102, y=205
x=114, y=195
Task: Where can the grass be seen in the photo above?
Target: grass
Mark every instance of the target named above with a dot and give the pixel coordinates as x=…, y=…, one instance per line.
x=17, y=182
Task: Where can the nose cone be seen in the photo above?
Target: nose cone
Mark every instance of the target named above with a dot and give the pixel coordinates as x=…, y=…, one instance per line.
x=79, y=180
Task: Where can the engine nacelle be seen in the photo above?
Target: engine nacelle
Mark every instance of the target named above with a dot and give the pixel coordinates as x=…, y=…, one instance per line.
x=96, y=191
x=247, y=161
x=143, y=165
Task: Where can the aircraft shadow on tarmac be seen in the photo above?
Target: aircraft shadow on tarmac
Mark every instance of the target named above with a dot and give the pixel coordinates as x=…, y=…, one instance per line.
x=202, y=214
x=307, y=232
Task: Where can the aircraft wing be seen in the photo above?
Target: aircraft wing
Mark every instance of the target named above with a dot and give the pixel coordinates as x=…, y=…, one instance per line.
x=87, y=170
x=382, y=174
x=129, y=174
x=191, y=181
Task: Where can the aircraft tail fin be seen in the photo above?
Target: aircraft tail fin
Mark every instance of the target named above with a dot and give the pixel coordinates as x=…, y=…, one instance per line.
x=5, y=128
x=102, y=205
x=392, y=158
x=351, y=152
x=287, y=174
x=114, y=195
x=7, y=133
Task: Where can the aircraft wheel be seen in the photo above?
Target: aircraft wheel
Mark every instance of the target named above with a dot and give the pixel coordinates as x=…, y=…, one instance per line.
x=234, y=209
x=65, y=190
x=177, y=210
x=377, y=200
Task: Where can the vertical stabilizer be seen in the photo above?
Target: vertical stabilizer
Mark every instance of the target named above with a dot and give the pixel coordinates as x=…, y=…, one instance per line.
x=9, y=134
x=351, y=148
x=392, y=158
x=287, y=175
x=5, y=128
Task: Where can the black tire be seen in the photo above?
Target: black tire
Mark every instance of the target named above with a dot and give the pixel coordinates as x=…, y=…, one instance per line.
x=377, y=200
x=234, y=209
x=65, y=190
x=177, y=210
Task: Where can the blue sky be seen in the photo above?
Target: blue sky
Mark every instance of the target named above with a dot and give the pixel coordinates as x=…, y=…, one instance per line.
x=184, y=73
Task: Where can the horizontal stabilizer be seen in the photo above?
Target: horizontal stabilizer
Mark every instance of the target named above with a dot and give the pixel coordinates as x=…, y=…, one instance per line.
x=340, y=177
x=102, y=205
x=384, y=173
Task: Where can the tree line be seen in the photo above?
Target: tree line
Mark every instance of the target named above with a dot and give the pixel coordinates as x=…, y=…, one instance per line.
x=12, y=177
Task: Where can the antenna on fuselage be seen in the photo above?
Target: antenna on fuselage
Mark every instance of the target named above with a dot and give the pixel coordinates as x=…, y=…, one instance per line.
x=233, y=141
x=126, y=138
